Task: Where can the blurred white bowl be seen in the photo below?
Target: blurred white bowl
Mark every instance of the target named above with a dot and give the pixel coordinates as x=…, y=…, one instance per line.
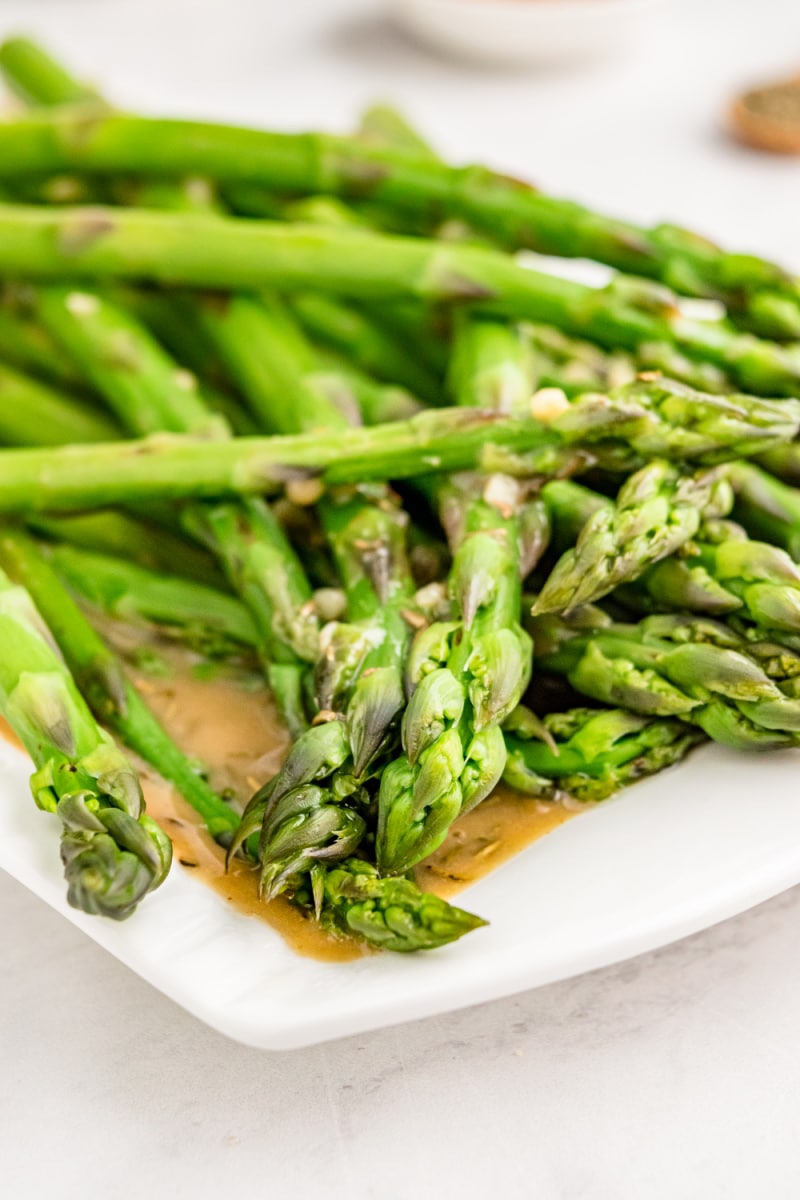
x=516, y=32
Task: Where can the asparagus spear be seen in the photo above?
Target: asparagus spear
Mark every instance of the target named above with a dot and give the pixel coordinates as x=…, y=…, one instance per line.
x=740, y=693
x=26, y=346
x=492, y=366
x=468, y=674
x=391, y=914
x=148, y=393
x=384, y=125
x=718, y=572
x=147, y=390
x=254, y=337
x=276, y=369
x=656, y=512
x=767, y=507
x=310, y=811
x=117, y=533
x=205, y=618
x=173, y=467
x=113, y=853
x=35, y=414
x=409, y=182
x=589, y=754
x=392, y=165
x=662, y=418
x=353, y=333
x=206, y=250
x=102, y=681
x=378, y=403
x=580, y=366
x=307, y=823
x=38, y=78
x=723, y=572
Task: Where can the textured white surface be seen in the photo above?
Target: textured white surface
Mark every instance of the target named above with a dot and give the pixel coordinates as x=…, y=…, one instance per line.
x=675, y=1075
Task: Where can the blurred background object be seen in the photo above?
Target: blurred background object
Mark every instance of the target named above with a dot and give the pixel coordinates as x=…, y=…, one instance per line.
x=527, y=32
x=768, y=117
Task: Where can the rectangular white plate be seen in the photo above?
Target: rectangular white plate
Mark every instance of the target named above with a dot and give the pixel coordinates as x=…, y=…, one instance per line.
x=668, y=857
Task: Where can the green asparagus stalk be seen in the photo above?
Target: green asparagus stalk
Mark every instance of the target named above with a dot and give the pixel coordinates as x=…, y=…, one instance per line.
x=102, y=681
x=306, y=823
x=740, y=693
x=588, y=754
x=580, y=366
x=26, y=346
x=273, y=365
x=148, y=393
x=656, y=512
x=384, y=125
x=34, y=414
x=390, y=914
x=723, y=572
x=180, y=467
x=354, y=334
x=395, y=166
x=174, y=467
x=206, y=250
x=661, y=418
x=492, y=366
x=116, y=533
x=468, y=674
x=205, y=618
x=718, y=572
x=113, y=853
x=379, y=125
x=38, y=78
x=238, y=331
x=767, y=507
x=378, y=403
x=410, y=183
x=249, y=334
x=310, y=811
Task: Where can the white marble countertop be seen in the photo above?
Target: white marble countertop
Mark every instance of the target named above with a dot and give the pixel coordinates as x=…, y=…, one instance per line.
x=672, y=1076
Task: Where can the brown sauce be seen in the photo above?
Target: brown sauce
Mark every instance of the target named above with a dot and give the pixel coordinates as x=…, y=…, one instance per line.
x=196, y=852
x=487, y=837
x=228, y=720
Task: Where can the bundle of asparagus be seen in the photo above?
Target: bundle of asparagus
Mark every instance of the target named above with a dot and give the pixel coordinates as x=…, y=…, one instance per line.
x=292, y=401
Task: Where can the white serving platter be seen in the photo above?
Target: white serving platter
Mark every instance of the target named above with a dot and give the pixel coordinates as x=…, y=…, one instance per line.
x=668, y=857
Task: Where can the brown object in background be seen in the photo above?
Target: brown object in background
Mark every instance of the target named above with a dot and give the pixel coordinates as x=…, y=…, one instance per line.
x=768, y=118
